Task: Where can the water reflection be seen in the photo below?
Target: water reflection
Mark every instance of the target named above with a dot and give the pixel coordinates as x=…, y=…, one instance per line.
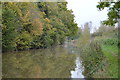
x=77, y=73
x=46, y=63
x=55, y=62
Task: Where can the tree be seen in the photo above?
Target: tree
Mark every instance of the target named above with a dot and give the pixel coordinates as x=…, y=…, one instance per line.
x=113, y=11
x=36, y=25
x=9, y=29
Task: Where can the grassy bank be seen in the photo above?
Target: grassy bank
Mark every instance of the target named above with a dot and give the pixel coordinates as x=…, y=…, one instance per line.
x=99, y=55
x=110, y=69
x=109, y=45
x=100, y=60
x=92, y=59
x=111, y=54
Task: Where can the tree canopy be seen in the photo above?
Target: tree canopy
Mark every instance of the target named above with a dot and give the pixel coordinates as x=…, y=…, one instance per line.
x=113, y=11
x=36, y=25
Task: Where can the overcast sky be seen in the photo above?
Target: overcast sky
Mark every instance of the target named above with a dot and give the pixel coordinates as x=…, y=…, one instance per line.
x=85, y=10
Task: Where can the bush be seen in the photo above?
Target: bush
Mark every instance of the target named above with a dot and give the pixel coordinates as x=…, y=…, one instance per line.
x=110, y=41
x=92, y=57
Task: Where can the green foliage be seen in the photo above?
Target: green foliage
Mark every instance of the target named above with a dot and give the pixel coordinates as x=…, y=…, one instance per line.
x=107, y=35
x=90, y=52
x=95, y=60
x=113, y=14
x=9, y=29
x=109, y=46
x=98, y=51
x=38, y=25
x=110, y=41
x=23, y=41
x=85, y=35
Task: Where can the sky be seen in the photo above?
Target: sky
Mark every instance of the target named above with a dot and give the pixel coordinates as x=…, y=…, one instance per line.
x=85, y=11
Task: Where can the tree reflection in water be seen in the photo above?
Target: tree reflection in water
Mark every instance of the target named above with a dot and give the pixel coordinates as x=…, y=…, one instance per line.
x=43, y=63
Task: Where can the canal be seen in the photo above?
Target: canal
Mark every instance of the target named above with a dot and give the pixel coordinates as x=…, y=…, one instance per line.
x=56, y=62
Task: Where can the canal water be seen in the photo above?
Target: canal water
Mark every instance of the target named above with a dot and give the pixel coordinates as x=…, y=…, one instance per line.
x=55, y=62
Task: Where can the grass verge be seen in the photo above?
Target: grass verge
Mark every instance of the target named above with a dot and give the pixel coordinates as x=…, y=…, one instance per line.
x=111, y=54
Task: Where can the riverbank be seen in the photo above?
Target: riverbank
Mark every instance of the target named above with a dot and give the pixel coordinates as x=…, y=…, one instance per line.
x=99, y=53
x=111, y=54
x=109, y=45
x=110, y=69
x=100, y=60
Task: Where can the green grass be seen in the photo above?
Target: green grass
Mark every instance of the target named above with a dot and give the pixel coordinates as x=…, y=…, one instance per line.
x=111, y=54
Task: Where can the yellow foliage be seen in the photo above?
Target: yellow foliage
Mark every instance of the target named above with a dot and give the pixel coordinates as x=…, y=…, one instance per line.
x=37, y=26
x=47, y=20
x=29, y=16
x=25, y=18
